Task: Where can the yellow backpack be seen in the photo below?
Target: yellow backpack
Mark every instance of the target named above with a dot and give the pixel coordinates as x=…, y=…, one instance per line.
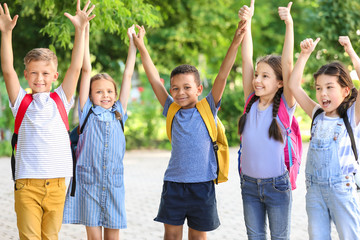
x=216, y=133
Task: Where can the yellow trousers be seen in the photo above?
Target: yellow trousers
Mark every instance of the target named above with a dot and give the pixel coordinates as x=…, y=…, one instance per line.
x=39, y=205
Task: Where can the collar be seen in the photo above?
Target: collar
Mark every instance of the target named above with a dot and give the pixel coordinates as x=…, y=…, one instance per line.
x=99, y=110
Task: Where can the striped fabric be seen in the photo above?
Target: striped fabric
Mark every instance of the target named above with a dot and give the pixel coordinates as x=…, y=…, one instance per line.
x=99, y=197
x=43, y=147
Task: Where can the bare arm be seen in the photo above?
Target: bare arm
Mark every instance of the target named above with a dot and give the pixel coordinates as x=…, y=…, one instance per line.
x=80, y=20
x=85, y=71
x=288, y=52
x=220, y=80
x=7, y=59
x=129, y=70
x=246, y=14
x=345, y=41
x=150, y=69
x=306, y=103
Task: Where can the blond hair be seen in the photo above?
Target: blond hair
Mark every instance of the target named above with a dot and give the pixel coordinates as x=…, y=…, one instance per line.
x=103, y=76
x=41, y=54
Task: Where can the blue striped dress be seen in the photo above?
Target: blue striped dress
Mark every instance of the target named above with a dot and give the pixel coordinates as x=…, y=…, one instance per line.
x=99, y=198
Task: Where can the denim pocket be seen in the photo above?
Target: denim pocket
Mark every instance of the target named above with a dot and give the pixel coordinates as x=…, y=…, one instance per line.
x=319, y=157
x=86, y=175
x=343, y=187
x=282, y=185
x=117, y=178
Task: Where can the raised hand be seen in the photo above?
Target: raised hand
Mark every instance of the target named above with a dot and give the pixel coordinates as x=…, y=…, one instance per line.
x=82, y=16
x=240, y=32
x=245, y=12
x=139, y=38
x=6, y=23
x=284, y=13
x=130, y=33
x=308, y=45
x=346, y=43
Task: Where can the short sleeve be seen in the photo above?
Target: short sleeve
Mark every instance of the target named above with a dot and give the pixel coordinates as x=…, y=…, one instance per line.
x=63, y=98
x=167, y=104
x=18, y=100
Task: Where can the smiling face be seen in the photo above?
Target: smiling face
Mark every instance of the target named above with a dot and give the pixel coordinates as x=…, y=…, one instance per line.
x=184, y=90
x=40, y=75
x=265, y=82
x=103, y=93
x=330, y=94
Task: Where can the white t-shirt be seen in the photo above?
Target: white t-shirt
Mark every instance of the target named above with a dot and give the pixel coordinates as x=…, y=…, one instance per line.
x=43, y=146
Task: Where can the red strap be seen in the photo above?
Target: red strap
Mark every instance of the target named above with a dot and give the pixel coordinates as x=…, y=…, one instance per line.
x=61, y=109
x=21, y=111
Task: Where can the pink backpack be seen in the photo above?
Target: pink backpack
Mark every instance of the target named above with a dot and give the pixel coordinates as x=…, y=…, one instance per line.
x=293, y=147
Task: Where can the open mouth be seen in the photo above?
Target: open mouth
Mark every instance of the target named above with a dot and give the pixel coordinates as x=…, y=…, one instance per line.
x=326, y=103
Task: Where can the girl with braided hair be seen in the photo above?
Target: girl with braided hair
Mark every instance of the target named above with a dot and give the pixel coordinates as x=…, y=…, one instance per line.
x=265, y=182
x=331, y=161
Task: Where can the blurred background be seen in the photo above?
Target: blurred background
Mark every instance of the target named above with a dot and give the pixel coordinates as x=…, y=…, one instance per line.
x=178, y=32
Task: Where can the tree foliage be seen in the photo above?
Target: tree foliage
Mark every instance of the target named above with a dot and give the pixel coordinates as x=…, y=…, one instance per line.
x=193, y=32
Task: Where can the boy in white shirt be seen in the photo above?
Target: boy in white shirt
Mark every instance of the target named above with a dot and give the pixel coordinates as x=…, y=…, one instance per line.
x=43, y=157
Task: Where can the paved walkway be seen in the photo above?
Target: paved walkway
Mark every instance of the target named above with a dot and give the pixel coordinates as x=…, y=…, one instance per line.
x=144, y=172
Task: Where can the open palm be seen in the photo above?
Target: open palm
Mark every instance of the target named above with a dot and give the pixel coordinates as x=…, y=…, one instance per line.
x=81, y=18
x=6, y=23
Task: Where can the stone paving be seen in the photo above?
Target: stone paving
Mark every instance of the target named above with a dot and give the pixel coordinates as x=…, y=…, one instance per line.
x=144, y=170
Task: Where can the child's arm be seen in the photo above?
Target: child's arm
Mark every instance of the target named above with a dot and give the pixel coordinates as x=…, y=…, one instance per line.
x=220, y=80
x=150, y=69
x=345, y=41
x=129, y=70
x=245, y=14
x=287, y=61
x=7, y=59
x=306, y=103
x=85, y=71
x=80, y=20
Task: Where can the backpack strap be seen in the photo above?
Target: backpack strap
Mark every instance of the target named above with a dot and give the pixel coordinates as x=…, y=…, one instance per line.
x=285, y=120
x=173, y=108
x=318, y=111
x=205, y=111
x=61, y=108
x=351, y=134
x=18, y=120
x=64, y=117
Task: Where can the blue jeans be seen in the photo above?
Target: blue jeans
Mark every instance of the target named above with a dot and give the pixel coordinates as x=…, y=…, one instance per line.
x=271, y=197
x=335, y=201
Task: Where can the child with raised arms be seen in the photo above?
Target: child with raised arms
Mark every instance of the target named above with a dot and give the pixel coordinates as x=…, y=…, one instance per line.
x=43, y=157
x=330, y=166
x=188, y=189
x=265, y=183
x=99, y=201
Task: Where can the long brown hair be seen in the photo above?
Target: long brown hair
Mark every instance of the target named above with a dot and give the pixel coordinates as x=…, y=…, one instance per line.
x=274, y=130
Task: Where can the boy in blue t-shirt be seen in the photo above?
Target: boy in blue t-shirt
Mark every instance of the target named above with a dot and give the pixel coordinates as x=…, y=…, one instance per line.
x=188, y=190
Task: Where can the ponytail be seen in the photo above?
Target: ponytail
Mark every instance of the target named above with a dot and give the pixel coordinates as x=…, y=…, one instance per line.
x=274, y=129
x=242, y=119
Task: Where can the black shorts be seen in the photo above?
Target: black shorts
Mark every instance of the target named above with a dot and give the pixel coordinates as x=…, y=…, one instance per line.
x=194, y=201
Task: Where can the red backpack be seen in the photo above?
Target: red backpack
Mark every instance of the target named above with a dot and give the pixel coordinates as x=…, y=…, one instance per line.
x=293, y=147
x=19, y=118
